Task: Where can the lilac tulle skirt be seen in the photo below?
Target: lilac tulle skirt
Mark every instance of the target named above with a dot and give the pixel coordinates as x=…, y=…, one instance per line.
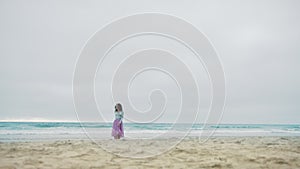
x=117, y=130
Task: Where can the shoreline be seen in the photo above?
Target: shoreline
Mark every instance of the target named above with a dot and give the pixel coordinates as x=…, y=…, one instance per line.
x=216, y=152
x=133, y=139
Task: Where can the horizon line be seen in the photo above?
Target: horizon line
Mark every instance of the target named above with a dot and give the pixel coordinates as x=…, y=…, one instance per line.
x=76, y=121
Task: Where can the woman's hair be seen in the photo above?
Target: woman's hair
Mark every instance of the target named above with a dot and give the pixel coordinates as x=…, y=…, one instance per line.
x=119, y=107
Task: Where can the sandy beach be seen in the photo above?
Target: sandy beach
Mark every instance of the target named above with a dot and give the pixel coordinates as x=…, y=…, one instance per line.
x=218, y=152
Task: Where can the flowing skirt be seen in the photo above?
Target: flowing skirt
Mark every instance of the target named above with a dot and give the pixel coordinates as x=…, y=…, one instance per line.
x=117, y=129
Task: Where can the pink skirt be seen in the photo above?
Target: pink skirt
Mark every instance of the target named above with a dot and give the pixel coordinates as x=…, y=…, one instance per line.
x=117, y=130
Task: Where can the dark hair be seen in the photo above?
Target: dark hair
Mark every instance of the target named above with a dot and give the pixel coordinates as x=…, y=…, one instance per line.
x=118, y=107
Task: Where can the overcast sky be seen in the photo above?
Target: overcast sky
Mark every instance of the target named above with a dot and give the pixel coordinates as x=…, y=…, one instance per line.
x=257, y=42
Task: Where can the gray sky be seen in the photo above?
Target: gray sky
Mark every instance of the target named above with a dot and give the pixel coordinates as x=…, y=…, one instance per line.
x=257, y=42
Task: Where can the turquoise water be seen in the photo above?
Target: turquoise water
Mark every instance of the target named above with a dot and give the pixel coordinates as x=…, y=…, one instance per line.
x=28, y=131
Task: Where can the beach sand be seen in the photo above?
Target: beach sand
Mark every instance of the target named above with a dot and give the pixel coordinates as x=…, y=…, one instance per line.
x=218, y=152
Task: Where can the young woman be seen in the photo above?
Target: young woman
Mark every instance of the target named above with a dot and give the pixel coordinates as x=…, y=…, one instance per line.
x=117, y=128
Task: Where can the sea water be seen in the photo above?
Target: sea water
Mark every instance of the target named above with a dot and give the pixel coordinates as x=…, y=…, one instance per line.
x=37, y=131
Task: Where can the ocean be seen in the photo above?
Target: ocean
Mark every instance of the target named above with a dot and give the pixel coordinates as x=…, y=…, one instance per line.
x=37, y=131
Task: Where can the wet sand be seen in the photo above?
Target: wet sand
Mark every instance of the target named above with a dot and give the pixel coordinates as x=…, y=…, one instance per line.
x=218, y=152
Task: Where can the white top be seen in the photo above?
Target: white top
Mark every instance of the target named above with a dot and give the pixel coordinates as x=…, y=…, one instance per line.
x=119, y=115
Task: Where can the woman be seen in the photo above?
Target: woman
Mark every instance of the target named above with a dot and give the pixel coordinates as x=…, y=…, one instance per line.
x=117, y=129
